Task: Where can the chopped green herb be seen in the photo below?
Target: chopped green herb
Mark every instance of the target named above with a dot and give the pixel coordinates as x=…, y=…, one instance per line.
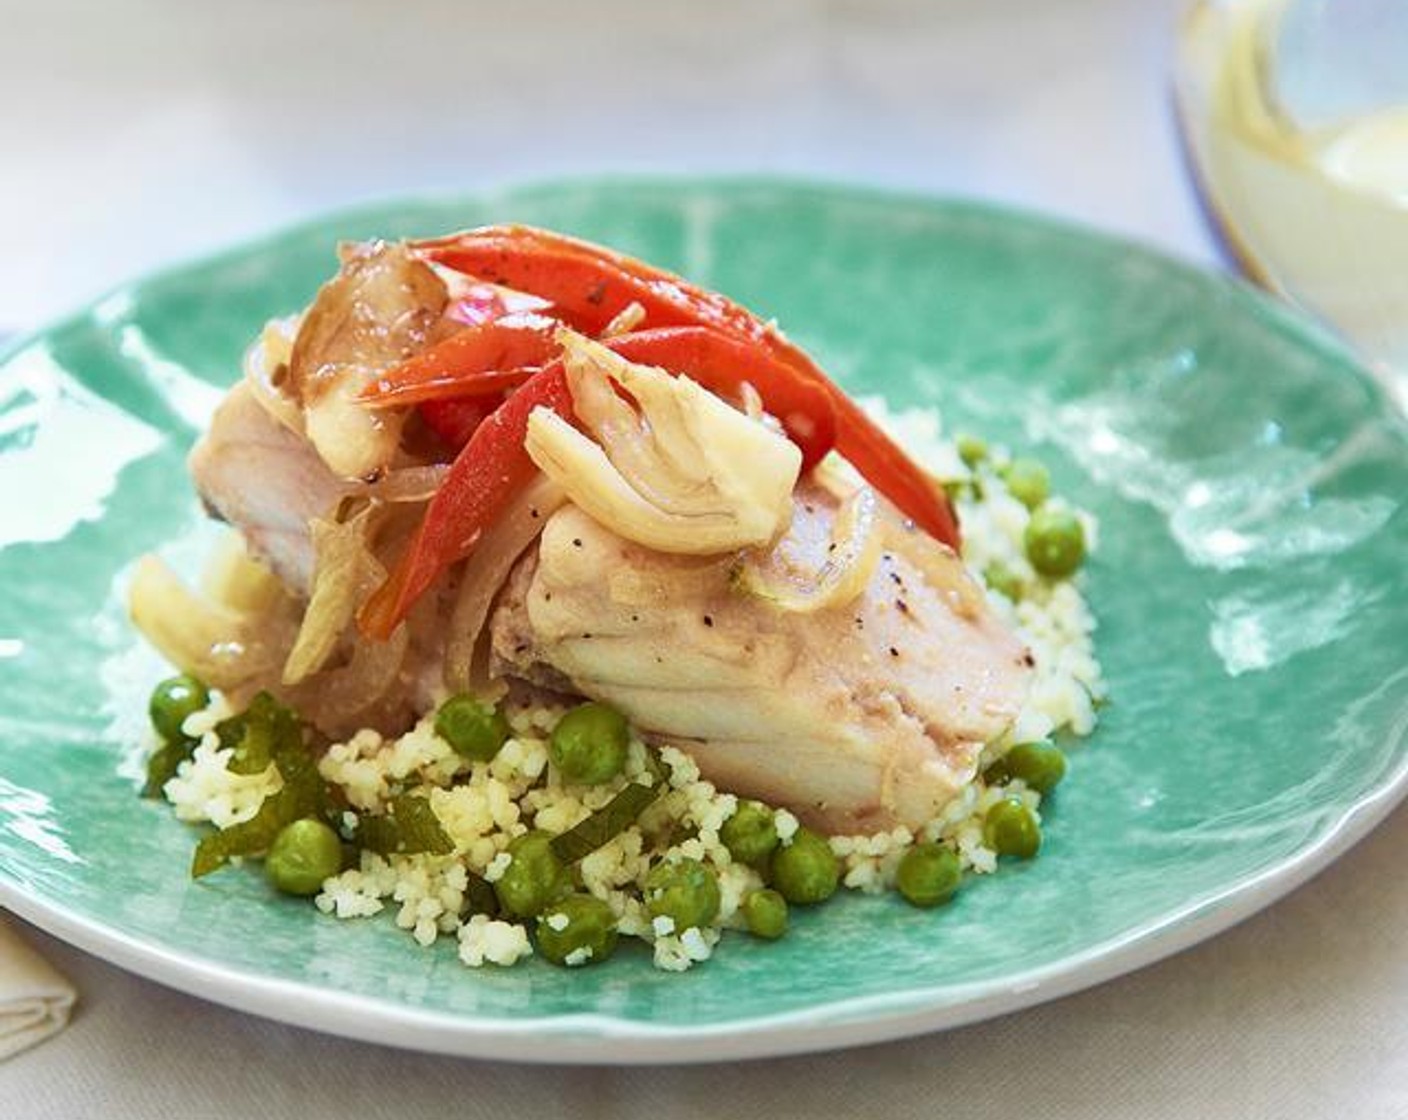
x=163, y=763
x=409, y=826
x=257, y=735
x=269, y=731
x=606, y=823
x=479, y=896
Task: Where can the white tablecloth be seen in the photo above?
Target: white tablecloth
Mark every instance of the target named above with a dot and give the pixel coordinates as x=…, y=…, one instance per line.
x=137, y=132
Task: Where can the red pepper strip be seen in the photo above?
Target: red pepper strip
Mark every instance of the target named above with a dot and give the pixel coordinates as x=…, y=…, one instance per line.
x=487, y=358
x=456, y=368
x=454, y=421
x=590, y=283
x=583, y=294
x=589, y=286
x=723, y=364
x=493, y=466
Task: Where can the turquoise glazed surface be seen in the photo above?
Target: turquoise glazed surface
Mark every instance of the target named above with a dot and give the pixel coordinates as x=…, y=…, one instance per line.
x=1251, y=584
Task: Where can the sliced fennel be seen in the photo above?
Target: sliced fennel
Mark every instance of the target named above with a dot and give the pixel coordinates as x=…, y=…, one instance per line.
x=674, y=467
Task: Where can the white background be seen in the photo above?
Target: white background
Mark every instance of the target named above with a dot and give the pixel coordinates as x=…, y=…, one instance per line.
x=136, y=133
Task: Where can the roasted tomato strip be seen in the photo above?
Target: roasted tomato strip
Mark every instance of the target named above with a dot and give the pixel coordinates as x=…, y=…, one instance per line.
x=493, y=466
x=589, y=286
x=488, y=357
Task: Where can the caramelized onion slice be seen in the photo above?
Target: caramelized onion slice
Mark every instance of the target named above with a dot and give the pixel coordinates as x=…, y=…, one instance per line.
x=341, y=575
x=487, y=569
x=405, y=484
x=381, y=308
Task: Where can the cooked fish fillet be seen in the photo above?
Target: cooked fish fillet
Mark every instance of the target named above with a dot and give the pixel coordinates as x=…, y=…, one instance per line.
x=266, y=481
x=857, y=717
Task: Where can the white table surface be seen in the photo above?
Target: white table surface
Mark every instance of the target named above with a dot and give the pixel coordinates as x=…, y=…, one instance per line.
x=139, y=132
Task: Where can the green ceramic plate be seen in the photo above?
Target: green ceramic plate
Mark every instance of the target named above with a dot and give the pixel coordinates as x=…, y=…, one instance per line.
x=1251, y=588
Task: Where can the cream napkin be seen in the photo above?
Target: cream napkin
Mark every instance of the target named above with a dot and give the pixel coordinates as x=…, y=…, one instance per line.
x=35, y=1001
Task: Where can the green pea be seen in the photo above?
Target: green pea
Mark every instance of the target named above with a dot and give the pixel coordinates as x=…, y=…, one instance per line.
x=172, y=701
x=578, y=930
x=1040, y=765
x=928, y=874
x=535, y=878
x=472, y=727
x=750, y=835
x=1055, y=542
x=589, y=743
x=683, y=890
x=1027, y=481
x=765, y=912
x=1011, y=829
x=806, y=871
x=971, y=449
x=303, y=854
x=1004, y=581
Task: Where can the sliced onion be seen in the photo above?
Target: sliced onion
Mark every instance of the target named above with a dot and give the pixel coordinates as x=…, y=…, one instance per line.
x=235, y=579
x=345, y=573
x=211, y=641
x=382, y=306
x=940, y=566
x=467, y=295
x=406, y=484
x=752, y=402
x=266, y=370
x=340, y=571
x=486, y=570
x=679, y=470
x=334, y=698
x=791, y=583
